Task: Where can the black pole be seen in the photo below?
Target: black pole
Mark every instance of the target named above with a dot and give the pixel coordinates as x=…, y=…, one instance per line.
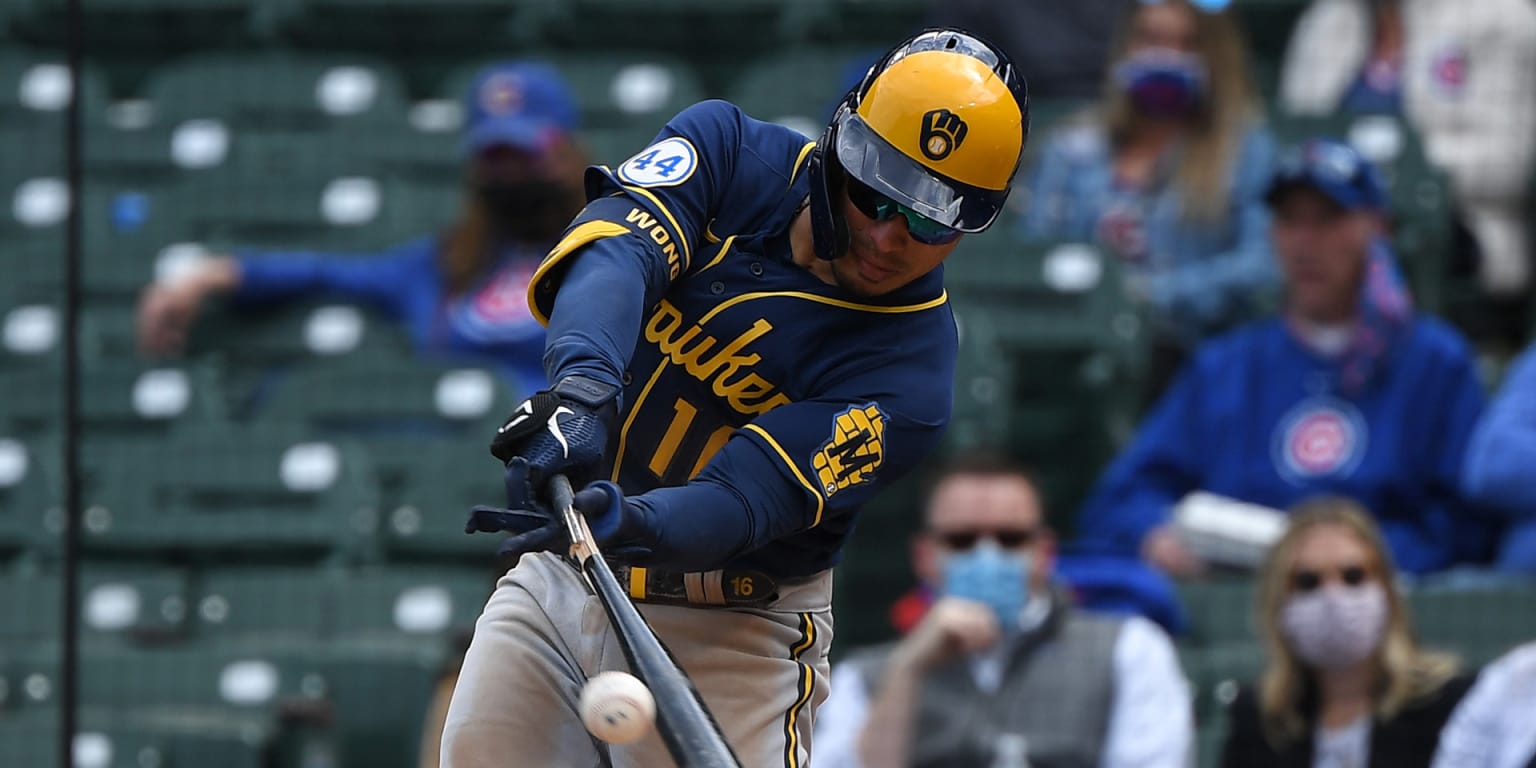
x=70, y=646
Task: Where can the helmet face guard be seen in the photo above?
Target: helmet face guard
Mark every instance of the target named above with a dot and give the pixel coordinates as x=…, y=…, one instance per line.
x=937, y=125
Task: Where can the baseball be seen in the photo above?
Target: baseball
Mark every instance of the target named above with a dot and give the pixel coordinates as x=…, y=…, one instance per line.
x=617, y=708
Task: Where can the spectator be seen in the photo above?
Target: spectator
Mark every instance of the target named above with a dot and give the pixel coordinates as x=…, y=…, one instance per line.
x=1059, y=687
x=1501, y=463
x=1346, y=392
x=460, y=293
x=1461, y=74
x=1495, y=725
x=1345, y=684
x=1168, y=175
x=1060, y=45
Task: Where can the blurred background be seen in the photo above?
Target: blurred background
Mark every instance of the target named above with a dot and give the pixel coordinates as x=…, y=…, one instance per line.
x=273, y=477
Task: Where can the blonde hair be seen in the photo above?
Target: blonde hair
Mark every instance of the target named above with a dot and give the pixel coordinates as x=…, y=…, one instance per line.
x=1405, y=672
x=1215, y=134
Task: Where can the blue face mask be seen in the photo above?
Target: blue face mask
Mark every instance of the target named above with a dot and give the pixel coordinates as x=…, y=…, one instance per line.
x=990, y=575
x=1163, y=84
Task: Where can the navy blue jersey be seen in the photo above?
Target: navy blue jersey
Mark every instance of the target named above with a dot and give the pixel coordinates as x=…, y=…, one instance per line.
x=845, y=394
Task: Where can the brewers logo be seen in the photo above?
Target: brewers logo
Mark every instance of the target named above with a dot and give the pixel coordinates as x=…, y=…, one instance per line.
x=855, y=450
x=943, y=133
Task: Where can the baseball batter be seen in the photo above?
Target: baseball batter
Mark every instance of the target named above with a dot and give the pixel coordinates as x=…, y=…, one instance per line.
x=750, y=337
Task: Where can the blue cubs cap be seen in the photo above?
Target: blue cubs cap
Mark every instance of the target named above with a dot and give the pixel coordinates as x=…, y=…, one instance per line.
x=1332, y=168
x=518, y=103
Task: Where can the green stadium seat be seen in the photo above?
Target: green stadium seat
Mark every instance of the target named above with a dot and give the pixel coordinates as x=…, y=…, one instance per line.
x=262, y=492
x=34, y=150
x=983, y=383
x=1046, y=295
x=31, y=490
x=280, y=91
x=1071, y=340
x=439, y=484
x=1216, y=672
x=258, y=345
x=170, y=738
x=35, y=88
x=130, y=26
x=136, y=154
x=383, y=396
x=638, y=89
x=431, y=157
x=132, y=603
x=612, y=146
x=1477, y=623
x=1220, y=611
x=798, y=87
x=275, y=606
x=118, y=398
x=424, y=602
x=353, y=211
x=402, y=25
x=138, y=603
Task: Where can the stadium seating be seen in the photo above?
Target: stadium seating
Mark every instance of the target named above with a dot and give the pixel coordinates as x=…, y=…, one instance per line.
x=613, y=89
x=216, y=493
x=799, y=87
x=277, y=91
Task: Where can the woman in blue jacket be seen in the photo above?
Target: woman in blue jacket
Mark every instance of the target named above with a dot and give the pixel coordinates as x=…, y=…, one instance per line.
x=1168, y=174
x=461, y=293
x=1347, y=392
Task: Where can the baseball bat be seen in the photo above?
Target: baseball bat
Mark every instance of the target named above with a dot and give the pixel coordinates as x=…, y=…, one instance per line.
x=689, y=731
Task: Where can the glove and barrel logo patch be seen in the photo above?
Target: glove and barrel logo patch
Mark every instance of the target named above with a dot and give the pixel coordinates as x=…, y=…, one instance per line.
x=855, y=450
x=943, y=133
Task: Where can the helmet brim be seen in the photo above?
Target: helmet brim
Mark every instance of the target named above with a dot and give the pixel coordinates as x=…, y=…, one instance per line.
x=872, y=160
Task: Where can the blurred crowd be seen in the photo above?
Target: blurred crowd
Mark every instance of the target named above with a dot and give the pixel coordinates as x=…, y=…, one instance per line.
x=1305, y=425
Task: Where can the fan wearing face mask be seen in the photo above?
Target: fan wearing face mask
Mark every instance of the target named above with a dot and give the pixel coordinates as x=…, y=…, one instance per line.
x=459, y=293
x=1002, y=670
x=1167, y=174
x=1345, y=684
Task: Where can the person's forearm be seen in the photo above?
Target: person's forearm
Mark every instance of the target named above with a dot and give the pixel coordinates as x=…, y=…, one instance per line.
x=887, y=736
x=599, y=310
x=217, y=275
x=739, y=502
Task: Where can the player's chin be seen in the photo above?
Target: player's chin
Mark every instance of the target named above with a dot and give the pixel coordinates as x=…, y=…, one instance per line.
x=850, y=279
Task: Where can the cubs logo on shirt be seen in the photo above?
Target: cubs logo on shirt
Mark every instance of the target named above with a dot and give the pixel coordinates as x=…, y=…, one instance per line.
x=1448, y=70
x=1320, y=437
x=498, y=310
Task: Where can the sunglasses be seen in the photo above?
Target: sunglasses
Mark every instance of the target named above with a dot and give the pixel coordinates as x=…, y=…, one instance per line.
x=1305, y=580
x=879, y=207
x=1007, y=538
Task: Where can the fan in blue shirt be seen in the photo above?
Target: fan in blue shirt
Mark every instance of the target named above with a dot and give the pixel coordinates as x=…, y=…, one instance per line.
x=1347, y=392
x=1501, y=463
x=460, y=294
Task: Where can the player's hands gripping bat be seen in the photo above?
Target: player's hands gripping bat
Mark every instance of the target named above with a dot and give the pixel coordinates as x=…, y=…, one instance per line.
x=691, y=734
x=620, y=528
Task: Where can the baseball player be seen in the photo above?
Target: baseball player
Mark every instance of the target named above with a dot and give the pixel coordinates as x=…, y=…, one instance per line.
x=749, y=338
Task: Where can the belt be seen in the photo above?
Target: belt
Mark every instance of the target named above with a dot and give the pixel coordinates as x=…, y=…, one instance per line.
x=728, y=587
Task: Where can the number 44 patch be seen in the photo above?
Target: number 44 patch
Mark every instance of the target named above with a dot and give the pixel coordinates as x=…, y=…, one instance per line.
x=855, y=450
x=666, y=163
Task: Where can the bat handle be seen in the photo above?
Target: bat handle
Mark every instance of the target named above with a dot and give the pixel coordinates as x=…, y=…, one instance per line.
x=560, y=493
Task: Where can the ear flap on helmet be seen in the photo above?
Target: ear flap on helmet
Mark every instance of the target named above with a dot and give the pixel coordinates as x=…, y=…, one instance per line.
x=829, y=229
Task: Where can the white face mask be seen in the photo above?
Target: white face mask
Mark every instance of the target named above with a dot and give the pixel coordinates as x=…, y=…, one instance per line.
x=1335, y=626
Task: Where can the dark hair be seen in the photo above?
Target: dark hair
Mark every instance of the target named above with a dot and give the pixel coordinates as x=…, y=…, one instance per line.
x=979, y=460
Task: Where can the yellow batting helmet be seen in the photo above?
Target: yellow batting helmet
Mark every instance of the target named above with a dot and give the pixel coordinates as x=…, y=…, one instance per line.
x=938, y=124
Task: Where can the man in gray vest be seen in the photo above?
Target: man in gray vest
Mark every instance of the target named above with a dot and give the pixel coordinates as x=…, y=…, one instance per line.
x=1002, y=671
